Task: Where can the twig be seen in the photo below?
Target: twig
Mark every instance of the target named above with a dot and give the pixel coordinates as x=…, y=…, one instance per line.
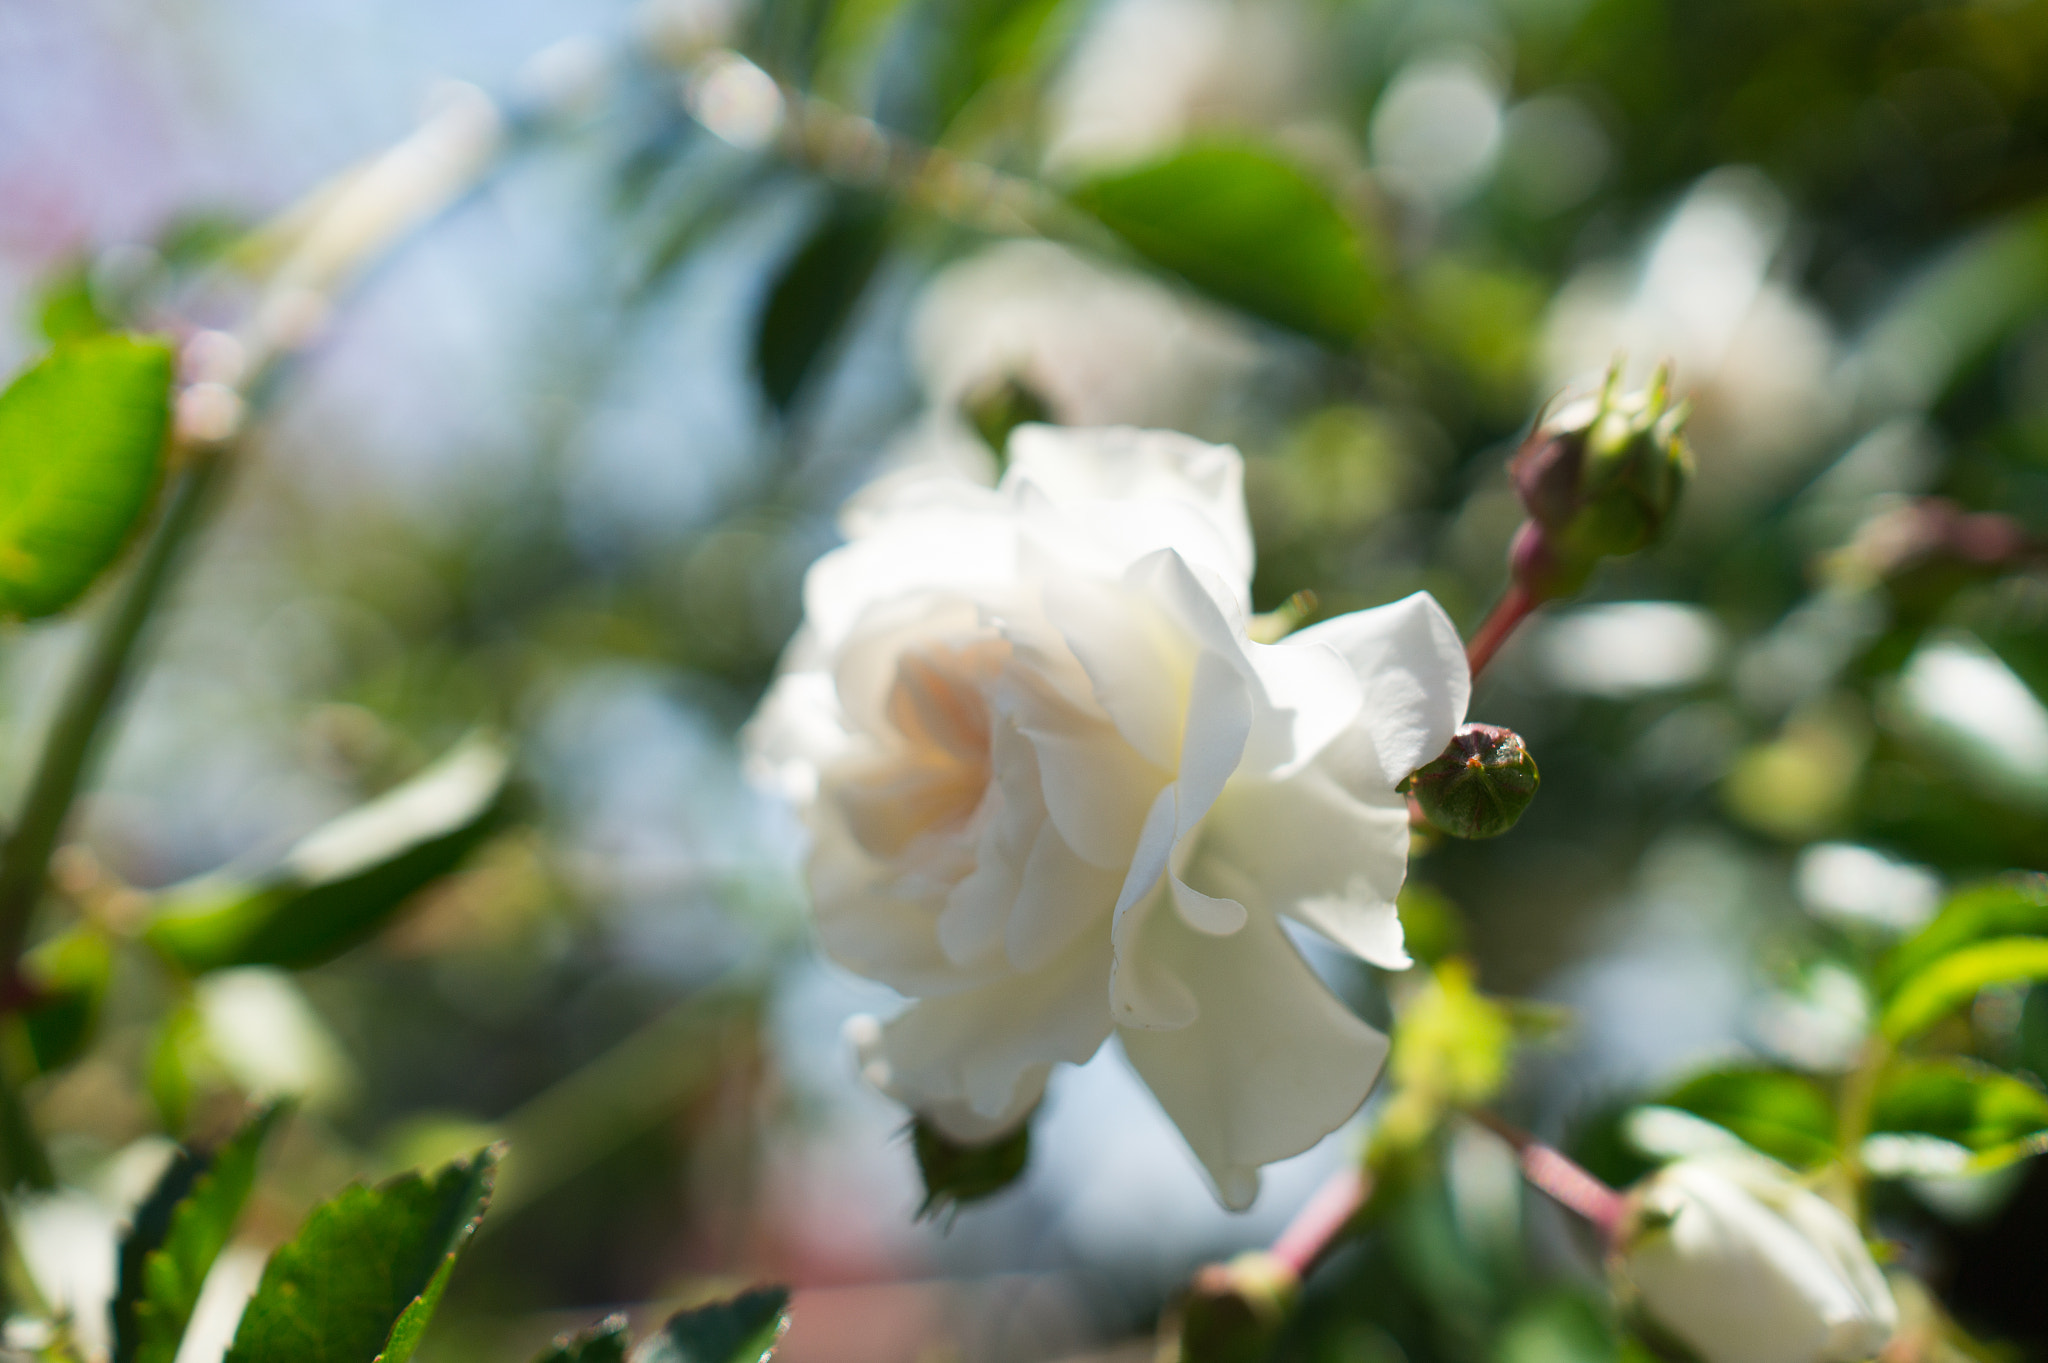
x=1317, y=1225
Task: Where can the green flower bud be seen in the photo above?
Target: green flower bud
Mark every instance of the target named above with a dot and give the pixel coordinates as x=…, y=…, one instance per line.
x=1599, y=477
x=956, y=1174
x=1233, y=1311
x=1480, y=785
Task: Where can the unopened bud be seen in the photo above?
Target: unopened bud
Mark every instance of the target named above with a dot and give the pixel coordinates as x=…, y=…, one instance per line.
x=956, y=1174
x=1233, y=1311
x=1599, y=477
x=1738, y=1262
x=1480, y=785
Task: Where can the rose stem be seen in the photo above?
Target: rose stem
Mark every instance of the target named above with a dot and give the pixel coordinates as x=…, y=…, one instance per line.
x=1514, y=606
x=1326, y=1213
x=1563, y=1181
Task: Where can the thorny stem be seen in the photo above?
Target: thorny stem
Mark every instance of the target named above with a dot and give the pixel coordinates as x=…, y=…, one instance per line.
x=1514, y=606
x=1560, y=1179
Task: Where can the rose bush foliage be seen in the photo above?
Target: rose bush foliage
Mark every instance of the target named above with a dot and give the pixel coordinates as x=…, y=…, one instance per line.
x=1056, y=792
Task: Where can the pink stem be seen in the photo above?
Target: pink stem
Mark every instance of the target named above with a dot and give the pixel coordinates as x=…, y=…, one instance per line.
x=1561, y=1180
x=1318, y=1223
x=1514, y=606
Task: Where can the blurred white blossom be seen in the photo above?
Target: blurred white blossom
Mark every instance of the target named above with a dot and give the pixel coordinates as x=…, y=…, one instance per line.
x=1962, y=697
x=1845, y=883
x=1436, y=129
x=1148, y=73
x=1099, y=346
x=1055, y=792
x=1743, y=1265
x=1626, y=647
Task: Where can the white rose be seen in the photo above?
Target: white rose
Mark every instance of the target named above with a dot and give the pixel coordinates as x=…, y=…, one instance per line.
x=1745, y=1266
x=1055, y=792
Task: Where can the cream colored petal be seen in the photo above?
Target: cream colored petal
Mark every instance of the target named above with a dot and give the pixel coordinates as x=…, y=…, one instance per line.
x=1271, y=1064
x=1411, y=666
x=1121, y=464
x=1060, y=897
x=1306, y=847
x=984, y=1048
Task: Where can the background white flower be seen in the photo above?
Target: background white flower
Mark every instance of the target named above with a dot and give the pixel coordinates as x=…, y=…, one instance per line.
x=1743, y=1265
x=1055, y=792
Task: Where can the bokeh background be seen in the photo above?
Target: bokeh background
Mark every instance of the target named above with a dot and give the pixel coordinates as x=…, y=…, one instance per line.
x=552, y=469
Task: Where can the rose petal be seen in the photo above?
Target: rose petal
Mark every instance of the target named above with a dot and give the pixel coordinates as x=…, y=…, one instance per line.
x=1308, y=848
x=1409, y=659
x=1272, y=1062
x=981, y=1048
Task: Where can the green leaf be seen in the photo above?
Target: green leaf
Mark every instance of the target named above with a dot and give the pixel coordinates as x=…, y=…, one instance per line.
x=68, y=978
x=814, y=297
x=2015, y=906
x=1250, y=229
x=179, y=1230
x=65, y=306
x=1785, y=1115
x=742, y=1330
x=604, y=1342
x=81, y=446
x=1989, y=1113
x=1957, y=978
x=362, y=1278
x=344, y=881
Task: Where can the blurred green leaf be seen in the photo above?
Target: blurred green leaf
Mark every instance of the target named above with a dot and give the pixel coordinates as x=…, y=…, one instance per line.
x=604, y=1342
x=1785, y=1115
x=1957, y=978
x=68, y=978
x=1250, y=229
x=364, y=1274
x=178, y=1231
x=81, y=445
x=1988, y=1112
x=344, y=881
x=65, y=307
x=742, y=1330
x=816, y=293
x=2011, y=907
x=956, y=1174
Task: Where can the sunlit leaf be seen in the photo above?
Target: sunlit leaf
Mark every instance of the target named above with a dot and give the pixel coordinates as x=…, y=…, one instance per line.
x=81, y=446
x=1989, y=1113
x=344, y=881
x=1957, y=978
x=1785, y=1115
x=604, y=1342
x=362, y=1277
x=1250, y=229
x=2011, y=907
x=178, y=1231
x=742, y=1330
x=814, y=296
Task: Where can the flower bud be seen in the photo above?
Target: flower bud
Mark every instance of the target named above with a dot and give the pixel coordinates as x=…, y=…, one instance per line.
x=1738, y=1262
x=1599, y=477
x=956, y=1173
x=1480, y=784
x=1233, y=1311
